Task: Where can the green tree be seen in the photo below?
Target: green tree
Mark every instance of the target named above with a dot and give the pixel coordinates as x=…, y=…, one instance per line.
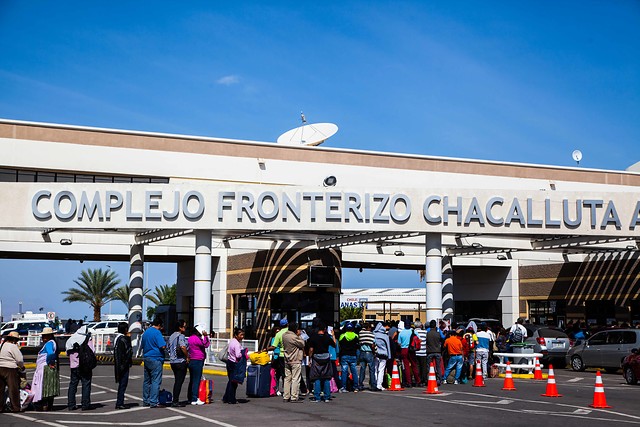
x=122, y=294
x=162, y=295
x=95, y=287
x=350, y=313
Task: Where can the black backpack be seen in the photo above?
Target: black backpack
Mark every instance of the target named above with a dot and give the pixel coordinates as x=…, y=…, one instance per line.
x=87, y=360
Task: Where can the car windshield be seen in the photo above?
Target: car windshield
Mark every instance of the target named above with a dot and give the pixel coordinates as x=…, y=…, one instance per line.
x=551, y=333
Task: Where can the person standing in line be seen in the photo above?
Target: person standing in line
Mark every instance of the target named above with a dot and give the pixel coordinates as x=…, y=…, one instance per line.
x=517, y=333
x=79, y=372
x=433, y=348
x=404, y=340
x=123, y=360
x=483, y=346
x=179, y=360
x=46, y=379
x=349, y=346
x=453, y=344
x=198, y=343
x=293, y=346
x=383, y=353
x=237, y=355
x=421, y=355
x=321, y=372
x=367, y=351
x=278, y=353
x=11, y=361
x=153, y=346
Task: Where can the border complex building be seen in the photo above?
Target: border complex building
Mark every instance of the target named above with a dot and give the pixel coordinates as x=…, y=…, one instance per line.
x=252, y=227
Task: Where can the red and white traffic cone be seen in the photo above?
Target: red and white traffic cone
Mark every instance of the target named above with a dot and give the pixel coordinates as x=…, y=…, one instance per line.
x=479, y=380
x=537, y=372
x=552, y=390
x=432, y=383
x=396, y=385
x=599, y=399
x=508, y=379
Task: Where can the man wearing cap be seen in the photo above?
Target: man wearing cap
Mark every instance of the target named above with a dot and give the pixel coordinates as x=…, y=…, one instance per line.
x=349, y=343
x=10, y=361
x=278, y=364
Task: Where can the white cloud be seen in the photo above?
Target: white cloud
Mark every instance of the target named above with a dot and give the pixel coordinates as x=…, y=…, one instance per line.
x=228, y=80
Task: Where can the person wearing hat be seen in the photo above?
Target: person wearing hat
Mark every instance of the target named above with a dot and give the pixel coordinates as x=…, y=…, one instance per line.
x=349, y=345
x=10, y=361
x=46, y=379
x=80, y=373
x=278, y=347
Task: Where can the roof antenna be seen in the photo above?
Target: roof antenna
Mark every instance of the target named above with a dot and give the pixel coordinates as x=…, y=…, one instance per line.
x=303, y=118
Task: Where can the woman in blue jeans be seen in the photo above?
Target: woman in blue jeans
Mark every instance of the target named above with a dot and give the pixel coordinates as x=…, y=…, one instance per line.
x=198, y=344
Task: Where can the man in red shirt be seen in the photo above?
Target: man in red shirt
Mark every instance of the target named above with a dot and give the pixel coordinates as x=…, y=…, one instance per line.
x=453, y=344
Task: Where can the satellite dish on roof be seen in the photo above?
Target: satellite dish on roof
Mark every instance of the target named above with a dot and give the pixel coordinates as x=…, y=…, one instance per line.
x=577, y=156
x=308, y=134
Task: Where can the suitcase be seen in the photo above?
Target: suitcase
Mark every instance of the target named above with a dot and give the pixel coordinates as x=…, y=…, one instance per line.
x=259, y=380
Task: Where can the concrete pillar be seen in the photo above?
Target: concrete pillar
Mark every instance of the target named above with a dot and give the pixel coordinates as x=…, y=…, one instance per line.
x=447, y=288
x=202, y=280
x=219, y=307
x=136, y=284
x=434, y=275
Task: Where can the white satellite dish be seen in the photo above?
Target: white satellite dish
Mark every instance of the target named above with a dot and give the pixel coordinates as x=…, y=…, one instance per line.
x=577, y=156
x=311, y=134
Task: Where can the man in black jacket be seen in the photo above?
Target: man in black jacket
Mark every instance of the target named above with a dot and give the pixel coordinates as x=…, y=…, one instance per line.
x=123, y=361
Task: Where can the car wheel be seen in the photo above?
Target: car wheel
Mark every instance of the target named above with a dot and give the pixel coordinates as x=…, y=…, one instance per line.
x=577, y=364
x=629, y=376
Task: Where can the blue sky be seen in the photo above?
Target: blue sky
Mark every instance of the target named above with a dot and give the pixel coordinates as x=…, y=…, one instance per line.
x=526, y=81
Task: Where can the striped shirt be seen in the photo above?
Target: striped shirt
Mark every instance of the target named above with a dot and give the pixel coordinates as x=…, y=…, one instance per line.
x=422, y=334
x=367, y=340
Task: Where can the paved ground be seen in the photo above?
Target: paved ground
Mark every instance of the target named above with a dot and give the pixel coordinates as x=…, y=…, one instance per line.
x=458, y=405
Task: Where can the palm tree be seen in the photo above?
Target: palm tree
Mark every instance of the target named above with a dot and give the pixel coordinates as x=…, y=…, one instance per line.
x=123, y=292
x=95, y=287
x=164, y=295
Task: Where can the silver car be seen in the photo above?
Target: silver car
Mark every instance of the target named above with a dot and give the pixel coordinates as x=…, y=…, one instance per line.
x=606, y=349
x=552, y=342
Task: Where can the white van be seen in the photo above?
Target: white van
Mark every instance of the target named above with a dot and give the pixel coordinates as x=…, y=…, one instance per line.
x=23, y=327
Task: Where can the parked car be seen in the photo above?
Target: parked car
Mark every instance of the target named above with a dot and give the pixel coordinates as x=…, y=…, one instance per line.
x=23, y=327
x=110, y=327
x=550, y=341
x=606, y=349
x=631, y=367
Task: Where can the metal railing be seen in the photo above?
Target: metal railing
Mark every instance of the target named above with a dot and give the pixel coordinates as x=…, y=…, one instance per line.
x=217, y=344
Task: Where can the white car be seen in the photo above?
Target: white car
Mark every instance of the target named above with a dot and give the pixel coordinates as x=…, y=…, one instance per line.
x=110, y=327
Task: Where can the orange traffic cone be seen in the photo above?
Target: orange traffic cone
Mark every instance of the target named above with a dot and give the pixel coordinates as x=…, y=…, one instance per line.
x=508, y=379
x=552, y=390
x=599, y=399
x=395, y=379
x=537, y=372
x=479, y=380
x=432, y=383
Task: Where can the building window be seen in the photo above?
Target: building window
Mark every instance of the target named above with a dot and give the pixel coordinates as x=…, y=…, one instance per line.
x=25, y=175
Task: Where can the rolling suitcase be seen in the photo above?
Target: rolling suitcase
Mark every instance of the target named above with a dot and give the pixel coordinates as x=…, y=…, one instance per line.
x=259, y=380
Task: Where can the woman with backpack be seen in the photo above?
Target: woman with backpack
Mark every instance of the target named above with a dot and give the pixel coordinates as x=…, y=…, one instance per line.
x=82, y=361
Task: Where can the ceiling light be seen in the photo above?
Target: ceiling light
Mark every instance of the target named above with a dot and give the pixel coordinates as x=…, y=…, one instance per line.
x=476, y=245
x=502, y=257
x=398, y=253
x=65, y=242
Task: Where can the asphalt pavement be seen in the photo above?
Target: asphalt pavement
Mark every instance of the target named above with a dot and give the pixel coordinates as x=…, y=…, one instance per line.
x=458, y=405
